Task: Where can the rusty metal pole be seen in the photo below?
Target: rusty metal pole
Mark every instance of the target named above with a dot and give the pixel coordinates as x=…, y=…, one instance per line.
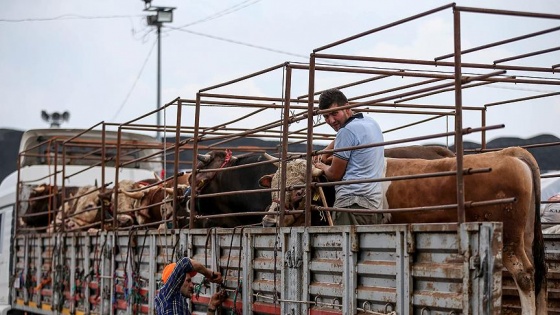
x=116, y=185
x=310, y=93
x=103, y=153
x=459, y=117
x=195, y=152
x=175, y=203
x=483, y=132
x=285, y=133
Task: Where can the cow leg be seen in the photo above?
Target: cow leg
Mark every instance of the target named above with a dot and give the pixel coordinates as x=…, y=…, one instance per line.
x=523, y=273
x=542, y=307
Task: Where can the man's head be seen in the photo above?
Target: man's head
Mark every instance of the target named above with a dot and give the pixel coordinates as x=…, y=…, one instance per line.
x=334, y=98
x=188, y=287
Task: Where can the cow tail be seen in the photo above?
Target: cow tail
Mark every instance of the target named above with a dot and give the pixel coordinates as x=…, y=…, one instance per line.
x=538, y=239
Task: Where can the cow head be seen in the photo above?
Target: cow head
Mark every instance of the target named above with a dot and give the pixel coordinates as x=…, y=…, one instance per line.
x=294, y=198
x=42, y=199
x=210, y=160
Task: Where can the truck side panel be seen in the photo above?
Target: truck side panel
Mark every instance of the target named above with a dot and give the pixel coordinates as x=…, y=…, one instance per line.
x=408, y=269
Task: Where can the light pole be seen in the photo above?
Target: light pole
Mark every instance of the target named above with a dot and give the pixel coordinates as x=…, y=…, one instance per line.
x=163, y=15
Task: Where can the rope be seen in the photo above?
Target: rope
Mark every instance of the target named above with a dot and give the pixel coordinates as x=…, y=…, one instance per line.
x=239, y=281
x=227, y=159
x=125, y=275
x=137, y=298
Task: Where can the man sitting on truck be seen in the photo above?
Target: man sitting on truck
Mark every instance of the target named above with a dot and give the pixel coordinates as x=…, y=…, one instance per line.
x=178, y=287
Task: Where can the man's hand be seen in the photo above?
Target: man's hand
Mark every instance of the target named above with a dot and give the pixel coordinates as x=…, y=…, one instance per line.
x=215, y=277
x=212, y=276
x=217, y=299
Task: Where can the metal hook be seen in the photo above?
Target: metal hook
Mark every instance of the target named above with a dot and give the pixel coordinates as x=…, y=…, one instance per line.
x=387, y=306
x=335, y=302
x=366, y=306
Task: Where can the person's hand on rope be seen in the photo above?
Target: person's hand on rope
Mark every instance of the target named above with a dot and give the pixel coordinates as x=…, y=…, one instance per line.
x=216, y=300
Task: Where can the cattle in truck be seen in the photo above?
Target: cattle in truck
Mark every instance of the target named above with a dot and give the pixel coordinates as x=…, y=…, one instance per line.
x=247, y=178
x=236, y=179
x=514, y=177
x=156, y=204
x=41, y=204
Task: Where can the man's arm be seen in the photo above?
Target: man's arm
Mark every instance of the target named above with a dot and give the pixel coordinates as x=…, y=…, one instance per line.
x=335, y=171
x=212, y=276
x=216, y=301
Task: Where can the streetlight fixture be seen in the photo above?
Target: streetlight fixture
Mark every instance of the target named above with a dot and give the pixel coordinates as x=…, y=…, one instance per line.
x=163, y=15
x=55, y=118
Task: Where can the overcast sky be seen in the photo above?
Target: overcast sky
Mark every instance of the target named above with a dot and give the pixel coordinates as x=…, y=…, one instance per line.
x=97, y=59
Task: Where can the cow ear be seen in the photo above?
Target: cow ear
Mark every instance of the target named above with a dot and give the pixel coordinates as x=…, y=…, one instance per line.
x=266, y=181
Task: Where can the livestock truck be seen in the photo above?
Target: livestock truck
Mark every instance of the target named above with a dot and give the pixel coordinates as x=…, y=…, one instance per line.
x=382, y=269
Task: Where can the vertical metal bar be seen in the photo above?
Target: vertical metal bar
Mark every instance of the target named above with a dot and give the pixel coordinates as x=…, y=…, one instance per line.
x=404, y=303
x=310, y=92
x=38, y=269
x=466, y=251
x=62, y=192
x=458, y=117
x=347, y=293
x=176, y=164
x=152, y=269
x=247, y=273
x=103, y=153
x=195, y=152
x=306, y=276
x=73, y=264
x=87, y=267
x=116, y=185
x=158, y=101
x=26, y=259
x=113, y=263
x=285, y=129
x=483, y=124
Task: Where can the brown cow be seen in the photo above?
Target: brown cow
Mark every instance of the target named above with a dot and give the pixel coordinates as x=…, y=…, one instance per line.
x=43, y=200
x=296, y=175
x=428, y=152
x=156, y=204
x=79, y=210
x=515, y=173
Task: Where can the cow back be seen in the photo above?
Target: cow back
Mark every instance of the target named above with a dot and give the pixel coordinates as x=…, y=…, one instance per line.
x=246, y=178
x=509, y=177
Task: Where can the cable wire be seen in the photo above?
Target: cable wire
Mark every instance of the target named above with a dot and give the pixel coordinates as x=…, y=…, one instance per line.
x=242, y=43
x=135, y=81
x=69, y=17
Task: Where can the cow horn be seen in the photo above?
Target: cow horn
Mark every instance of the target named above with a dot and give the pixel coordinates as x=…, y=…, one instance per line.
x=133, y=194
x=157, y=176
x=39, y=189
x=271, y=158
x=169, y=190
x=204, y=158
